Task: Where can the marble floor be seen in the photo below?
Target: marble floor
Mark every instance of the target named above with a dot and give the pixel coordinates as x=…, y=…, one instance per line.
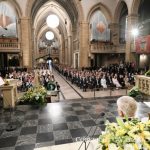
x=57, y=123
x=77, y=115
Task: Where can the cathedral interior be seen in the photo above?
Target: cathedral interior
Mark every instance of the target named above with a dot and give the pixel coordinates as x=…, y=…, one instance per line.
x=85, y=54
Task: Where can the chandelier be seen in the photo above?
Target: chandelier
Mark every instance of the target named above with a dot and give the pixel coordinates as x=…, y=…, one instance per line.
x=52, y=21
x=49, y=35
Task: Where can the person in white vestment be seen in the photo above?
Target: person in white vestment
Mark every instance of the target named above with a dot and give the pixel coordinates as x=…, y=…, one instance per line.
x=115, y=82
x=103, y=82
x=1, y=81
x=50, y=65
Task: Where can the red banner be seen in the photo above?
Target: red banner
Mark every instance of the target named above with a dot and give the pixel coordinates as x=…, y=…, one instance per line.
x=142, y=44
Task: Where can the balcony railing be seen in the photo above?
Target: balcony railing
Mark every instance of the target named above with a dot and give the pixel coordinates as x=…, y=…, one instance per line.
x=9, y=44
x=143, y=83
x=106, y=48
x=10, y=47
x=45, y=52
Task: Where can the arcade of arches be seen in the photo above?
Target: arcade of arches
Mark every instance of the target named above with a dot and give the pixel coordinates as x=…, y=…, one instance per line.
x=85, y=62
x=89, y=34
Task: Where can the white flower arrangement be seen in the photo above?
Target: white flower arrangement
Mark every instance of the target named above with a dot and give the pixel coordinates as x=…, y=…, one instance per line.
x=129, y=135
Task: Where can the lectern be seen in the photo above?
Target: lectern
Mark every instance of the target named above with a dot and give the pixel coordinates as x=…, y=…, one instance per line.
x=9, y=93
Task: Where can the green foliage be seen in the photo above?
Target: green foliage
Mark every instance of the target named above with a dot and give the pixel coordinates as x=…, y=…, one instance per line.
x=134, y=92
x=147, y=73
x=51, y=86
x=34, y=96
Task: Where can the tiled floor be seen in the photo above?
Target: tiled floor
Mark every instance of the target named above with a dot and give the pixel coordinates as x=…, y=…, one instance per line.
x=78, y=114
x=57, y=123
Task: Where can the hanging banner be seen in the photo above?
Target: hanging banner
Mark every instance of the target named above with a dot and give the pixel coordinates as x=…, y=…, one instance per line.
x=142, y=44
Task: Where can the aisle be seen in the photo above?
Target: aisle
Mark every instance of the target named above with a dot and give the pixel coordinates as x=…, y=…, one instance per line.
x=71, y=91
x=67, y=91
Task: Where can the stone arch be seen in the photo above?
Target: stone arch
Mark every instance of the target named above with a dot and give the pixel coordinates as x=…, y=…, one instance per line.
x=79, y=9
x=16, y=7
x=118, y=11
x=135, y=6
x=105, y=10
x=18, y=14
x=78, y=6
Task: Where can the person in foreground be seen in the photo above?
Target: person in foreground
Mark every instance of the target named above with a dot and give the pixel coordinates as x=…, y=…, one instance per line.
x=127, y=106
x=126, y=133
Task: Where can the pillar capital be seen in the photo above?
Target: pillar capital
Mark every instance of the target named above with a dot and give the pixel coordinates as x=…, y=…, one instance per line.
x=132, y=16
x=84, y=22
x=24, y=18
x=113, y=25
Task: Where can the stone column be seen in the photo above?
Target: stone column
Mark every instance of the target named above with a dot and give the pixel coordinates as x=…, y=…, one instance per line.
x=25, y=42
x=114, y=27
x=62, y=50
x=36, y=51
x=84, y=44
x=132, y=23
x=70, y=50
x=66, y=52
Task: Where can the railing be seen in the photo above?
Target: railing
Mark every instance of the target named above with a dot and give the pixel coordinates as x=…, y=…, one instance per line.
x=10, y=45
x=143, y=83
x=7, y=47
x=53, y=53
x=106, y=48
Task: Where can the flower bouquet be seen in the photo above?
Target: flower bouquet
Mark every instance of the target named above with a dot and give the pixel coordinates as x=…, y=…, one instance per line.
x=134, y=92
x=129, y=135
x=35, y=96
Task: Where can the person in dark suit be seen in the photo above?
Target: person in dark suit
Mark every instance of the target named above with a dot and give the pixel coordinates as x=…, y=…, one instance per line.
x=84, y=83
x=97, y=82
x=121, y=80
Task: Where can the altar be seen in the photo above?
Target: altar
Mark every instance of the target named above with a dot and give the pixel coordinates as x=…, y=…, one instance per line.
x=9, y=93
x=143, y=83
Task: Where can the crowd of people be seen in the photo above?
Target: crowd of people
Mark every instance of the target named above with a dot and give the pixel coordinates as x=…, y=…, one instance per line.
x=113, y=76
x=27, y=80
x=47, y=79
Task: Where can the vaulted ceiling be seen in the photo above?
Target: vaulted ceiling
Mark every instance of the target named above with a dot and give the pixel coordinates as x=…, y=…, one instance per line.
x=68, y=5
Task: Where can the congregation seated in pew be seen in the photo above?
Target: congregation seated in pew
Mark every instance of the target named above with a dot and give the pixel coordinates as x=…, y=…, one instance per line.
x=117, y=76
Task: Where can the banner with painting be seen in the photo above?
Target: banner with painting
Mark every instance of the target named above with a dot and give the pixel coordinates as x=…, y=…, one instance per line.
x=8, y=20
x=142, y=44
x=99, y=27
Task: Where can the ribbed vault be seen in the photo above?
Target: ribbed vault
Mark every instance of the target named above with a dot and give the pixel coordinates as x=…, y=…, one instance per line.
x=68, y=5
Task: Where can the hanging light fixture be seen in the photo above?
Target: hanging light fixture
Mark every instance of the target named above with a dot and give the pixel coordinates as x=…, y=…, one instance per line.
x=49, y=35
x=52, y=21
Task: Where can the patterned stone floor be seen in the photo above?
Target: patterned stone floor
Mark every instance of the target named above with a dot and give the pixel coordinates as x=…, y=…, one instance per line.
x=57, y=123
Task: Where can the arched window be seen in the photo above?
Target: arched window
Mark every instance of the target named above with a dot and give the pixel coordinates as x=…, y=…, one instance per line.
x=99, y=27
x=123, y=23
x=7, y=20
x=144, y=18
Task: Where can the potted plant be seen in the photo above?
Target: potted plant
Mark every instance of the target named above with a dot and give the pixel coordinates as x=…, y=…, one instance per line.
x=134, y=92
x=35, y=96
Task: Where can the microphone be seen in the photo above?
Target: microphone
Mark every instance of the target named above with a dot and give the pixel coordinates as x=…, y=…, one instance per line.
x=102, y=114
x=102, y=122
